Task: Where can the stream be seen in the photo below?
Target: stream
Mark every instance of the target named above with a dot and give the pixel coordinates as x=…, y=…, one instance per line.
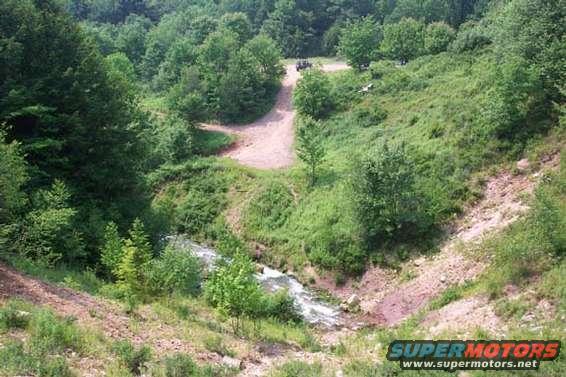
x=313, y=310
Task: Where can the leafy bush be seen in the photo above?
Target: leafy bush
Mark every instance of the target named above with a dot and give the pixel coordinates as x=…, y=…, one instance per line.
x=14, y=361
x=176, y=140
x=113, y=249
x=388, y=204
x=516, y=96
x=174, y=271
x=14, y=315
x=298, y=369
x=381, y=68
x=313, y=94
x=180, y=365
x=469, y=39
x=359, y=41
x=403, y=40
x=369, y=114
x=309, y=146
x=132, y=358
x=282, y=306
x=233, y=289
x=438, y=36
x=50, y=334
x=216, y=344
x=48, y=232
x=131, y=271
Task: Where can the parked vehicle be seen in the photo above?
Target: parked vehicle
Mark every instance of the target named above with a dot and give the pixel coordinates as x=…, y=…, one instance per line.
x=303, y=64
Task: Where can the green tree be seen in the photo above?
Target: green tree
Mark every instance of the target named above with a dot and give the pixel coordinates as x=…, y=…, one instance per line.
x=131, y=36
x=234, y=290
x=187, y=98
x=403, y=40
x=73, y=120
x=182, y=54
x=135, y=262
x=48, y=230
x=121, y=68
x=291, y=25
x=388, y=204
x=309, y=146
x=535, y=31
x=112, y=251
x=359, y=41
x=438, y=36
x=425, y=10
x=241, y=88
x=517, y=95
x=239, y=24
x=312, y=96
x=269, y=57
x=13, y=177
x=140, y=240
x=175, y=271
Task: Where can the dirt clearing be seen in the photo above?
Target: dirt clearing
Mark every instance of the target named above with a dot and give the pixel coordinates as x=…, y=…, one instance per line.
x=268, y=142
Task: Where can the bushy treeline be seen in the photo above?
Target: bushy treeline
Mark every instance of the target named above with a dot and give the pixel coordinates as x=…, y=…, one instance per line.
x=210, y=66
x=300, y=27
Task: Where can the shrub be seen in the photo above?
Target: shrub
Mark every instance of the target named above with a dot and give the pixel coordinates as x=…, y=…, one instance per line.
x=137, y=255
x=233, y=289
x=359, y=41
x=176, y=140
x=388, y=204
x=403, y=40
x=52, y=335
x=516, y=95
x=216, y=344
x=48, y=232
x=381, y=68
x=368, y=115
x=309, y=146
x=132, y=358
x=312, y=96
x=175, y=271
x=14, y=315
x=282, y=306
x=14, y=360
x=469, y=39
x=112, y=250
x=438, y=36
x=180, y=365
x=298, y=369
x=549, y=212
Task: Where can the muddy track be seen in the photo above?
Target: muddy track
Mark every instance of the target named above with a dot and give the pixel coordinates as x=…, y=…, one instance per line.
x=268, y=142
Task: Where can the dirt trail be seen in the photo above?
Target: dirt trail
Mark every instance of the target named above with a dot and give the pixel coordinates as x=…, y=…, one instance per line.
x=387, y=299
x=268, y=142
x=501, y=205
x=91, y=312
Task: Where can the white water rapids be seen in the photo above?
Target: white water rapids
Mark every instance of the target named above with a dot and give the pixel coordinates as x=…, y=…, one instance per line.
x=313, y=310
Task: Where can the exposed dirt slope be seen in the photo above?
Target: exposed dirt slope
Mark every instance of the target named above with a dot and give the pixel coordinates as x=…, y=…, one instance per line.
x=91, y=312
x=387, y=298
x=268, y=142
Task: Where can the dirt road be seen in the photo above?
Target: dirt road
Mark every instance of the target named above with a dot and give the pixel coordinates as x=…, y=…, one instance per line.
x=268, y=142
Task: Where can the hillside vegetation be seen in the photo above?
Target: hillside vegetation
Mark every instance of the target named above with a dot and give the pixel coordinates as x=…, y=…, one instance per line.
x=106, y=151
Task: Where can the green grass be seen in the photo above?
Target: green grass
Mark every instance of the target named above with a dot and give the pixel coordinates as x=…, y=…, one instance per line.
x=211, y=142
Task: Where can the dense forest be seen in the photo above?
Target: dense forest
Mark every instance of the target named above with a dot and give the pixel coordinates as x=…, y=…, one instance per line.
x=102, y=153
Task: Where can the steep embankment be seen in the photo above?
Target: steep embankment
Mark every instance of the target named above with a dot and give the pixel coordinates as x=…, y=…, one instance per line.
x=268, y=142
x=387, y=298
